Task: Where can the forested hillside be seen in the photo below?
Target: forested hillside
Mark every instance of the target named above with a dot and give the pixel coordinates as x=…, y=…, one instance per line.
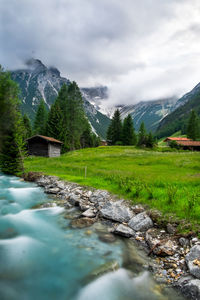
x=178, y=119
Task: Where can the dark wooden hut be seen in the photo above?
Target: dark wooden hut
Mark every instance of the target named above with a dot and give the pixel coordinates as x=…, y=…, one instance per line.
x=40, y=145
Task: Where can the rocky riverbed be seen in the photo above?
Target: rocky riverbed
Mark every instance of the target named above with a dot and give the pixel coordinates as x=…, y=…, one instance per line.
x=175, y=260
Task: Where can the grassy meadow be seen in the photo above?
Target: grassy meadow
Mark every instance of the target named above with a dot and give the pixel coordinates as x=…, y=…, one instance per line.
x=168, y=181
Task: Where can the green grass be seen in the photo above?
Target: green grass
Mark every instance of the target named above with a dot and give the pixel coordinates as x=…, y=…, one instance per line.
x=168, y=181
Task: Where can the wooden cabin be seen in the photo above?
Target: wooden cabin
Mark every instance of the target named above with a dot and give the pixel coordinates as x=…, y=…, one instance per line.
x=176, y=139
x=184, y=143
x=40, y=145
x=103, y=143
x=189, y=145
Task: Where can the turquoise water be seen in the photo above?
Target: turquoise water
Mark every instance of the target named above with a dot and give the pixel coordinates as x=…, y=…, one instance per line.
x=41, y=257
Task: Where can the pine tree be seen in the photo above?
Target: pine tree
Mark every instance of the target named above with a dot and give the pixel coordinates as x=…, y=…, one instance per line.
x=142, y=135
x=67, y=121
x=11, y=127
x=27, y=127
x=76, y=120
x=87, y=138
x=54, y=121
x=193, y=129
x=129, y=136
x=114, y=132
x=40, y=119
x=150, y=141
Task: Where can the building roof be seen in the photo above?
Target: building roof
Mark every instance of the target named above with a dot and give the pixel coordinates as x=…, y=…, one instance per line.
x=176, y=139
x=48, y=139
x=189, y=143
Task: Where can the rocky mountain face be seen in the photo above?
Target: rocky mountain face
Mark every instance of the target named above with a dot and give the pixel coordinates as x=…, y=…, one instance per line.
x=149, y=112
x=178, y=119
x=38, y=82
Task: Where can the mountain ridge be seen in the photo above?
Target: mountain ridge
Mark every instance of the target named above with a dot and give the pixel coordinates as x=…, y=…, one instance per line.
x=178, y=119
x=38, y=82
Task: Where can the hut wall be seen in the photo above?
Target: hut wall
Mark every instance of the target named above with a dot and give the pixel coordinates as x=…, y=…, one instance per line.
x=38, y=148
x=54, y=149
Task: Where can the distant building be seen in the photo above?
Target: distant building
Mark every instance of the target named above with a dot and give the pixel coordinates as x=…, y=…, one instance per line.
x=40, y=145
x=176, y=139
x=189, y=145
x=103, y=143
x=184, y=143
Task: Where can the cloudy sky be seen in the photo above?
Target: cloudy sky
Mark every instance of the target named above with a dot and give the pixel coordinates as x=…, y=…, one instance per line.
x=140, y=49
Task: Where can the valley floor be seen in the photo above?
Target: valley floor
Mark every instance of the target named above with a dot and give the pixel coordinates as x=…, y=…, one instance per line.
x=167, y=181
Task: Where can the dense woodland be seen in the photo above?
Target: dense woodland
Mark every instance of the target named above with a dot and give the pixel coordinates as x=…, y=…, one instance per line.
x=178, y=119
x=66, y=120
x=123, y=133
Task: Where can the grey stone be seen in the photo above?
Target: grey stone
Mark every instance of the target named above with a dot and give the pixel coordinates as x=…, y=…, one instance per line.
x=184, y=242
x=99, y=196
x=140, y=222
x=74, y=199
x=61, y=185
x=84, y=205
x=52, y=190
x=116, y=211
x=90, y=213
x=193, y=261
x=124, y=230
x=194, y=240
x=190, y=287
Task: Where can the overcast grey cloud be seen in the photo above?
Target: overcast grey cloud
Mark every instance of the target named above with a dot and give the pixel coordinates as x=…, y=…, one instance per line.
x=141, y=50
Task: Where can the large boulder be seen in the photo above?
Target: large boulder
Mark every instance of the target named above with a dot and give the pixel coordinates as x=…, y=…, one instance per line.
x=160, y=242
x=193, y=261
x=123, y=230
x=99, y=198
x=116, y=211
x=190, y=287
x=140, y=222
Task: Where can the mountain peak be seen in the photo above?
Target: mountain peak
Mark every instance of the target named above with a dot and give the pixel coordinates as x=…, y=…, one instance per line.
x=35, y=64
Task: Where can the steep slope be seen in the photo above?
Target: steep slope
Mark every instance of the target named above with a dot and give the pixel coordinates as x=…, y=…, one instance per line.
x=149, y=112
x=178, y=119
x=38, y=82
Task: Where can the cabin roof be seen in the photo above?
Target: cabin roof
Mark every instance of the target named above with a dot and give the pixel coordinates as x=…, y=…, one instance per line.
x=48, y=139
x=189, y=143
x=176, y=139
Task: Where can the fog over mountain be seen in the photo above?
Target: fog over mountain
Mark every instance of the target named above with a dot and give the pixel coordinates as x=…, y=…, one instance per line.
x=140, y=50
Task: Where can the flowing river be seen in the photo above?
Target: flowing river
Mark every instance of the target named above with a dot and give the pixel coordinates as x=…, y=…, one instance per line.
x=42, y=258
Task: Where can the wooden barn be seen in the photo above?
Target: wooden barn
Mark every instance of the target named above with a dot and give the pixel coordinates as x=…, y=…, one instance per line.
x=40, y=145
x=103, y=143
x=189, y=145
x=176, y=139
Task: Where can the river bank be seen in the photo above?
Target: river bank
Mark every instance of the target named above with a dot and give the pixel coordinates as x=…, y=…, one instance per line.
x=174, y=258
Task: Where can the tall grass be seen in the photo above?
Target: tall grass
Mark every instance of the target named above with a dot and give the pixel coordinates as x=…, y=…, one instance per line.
x=168, y=181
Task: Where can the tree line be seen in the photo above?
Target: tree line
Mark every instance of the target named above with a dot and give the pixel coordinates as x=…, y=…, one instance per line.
x=123, y=133
x=66, y=120
x=193, y=126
